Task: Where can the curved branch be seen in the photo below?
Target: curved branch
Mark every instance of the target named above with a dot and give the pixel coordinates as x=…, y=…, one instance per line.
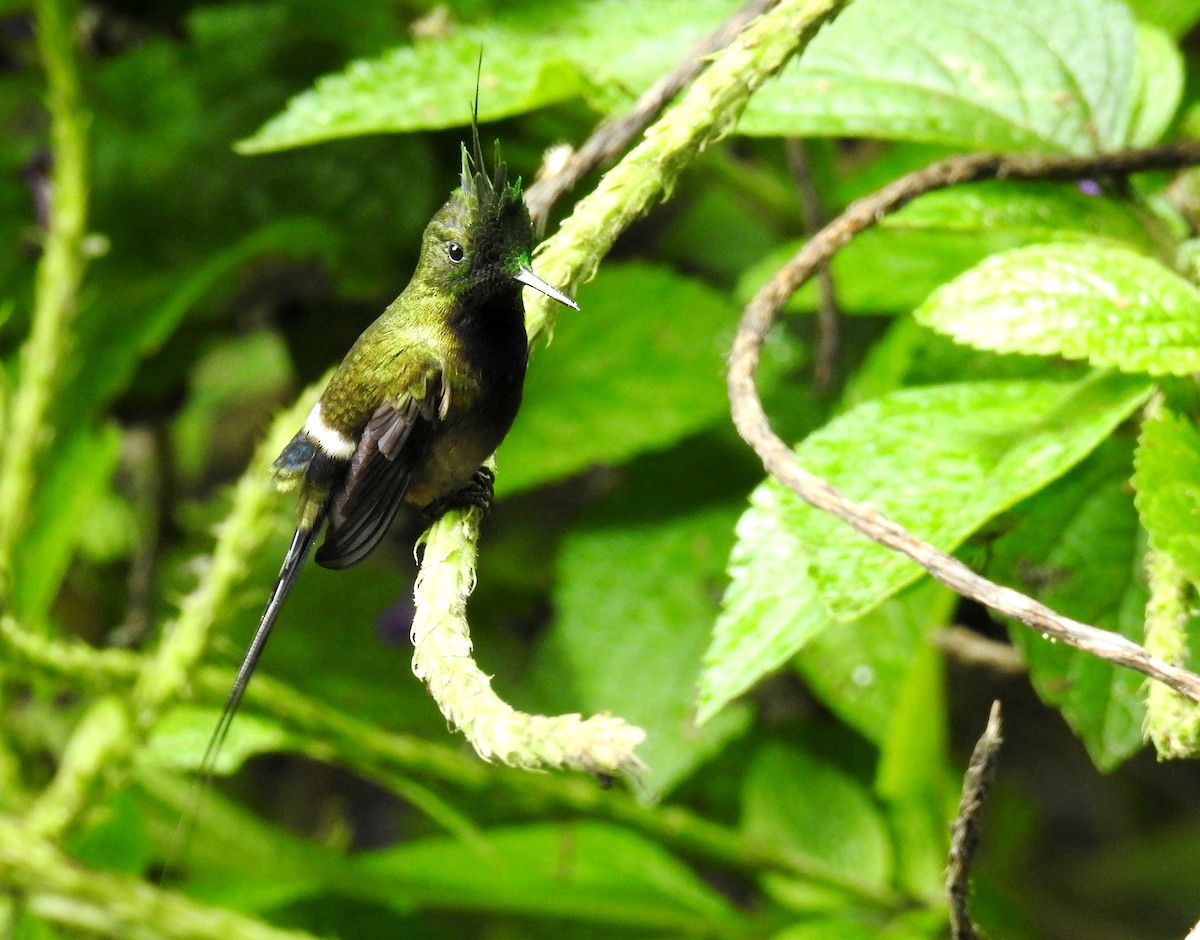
x=644, y=177
x=777, y=458
x=441, y=637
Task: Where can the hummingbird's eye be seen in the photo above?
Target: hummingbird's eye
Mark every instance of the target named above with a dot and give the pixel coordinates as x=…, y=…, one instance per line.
x=455, y=252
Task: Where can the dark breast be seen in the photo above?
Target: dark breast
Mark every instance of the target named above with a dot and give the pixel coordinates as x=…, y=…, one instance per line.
x=494, y=351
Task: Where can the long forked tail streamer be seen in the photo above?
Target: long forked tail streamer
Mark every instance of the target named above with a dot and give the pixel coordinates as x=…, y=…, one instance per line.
x=292, y=562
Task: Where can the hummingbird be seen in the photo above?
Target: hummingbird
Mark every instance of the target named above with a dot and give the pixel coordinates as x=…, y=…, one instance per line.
x=424, y=396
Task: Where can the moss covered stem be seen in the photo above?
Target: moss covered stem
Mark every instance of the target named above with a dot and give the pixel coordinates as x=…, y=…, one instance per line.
x=708, y=109
x=59, y=275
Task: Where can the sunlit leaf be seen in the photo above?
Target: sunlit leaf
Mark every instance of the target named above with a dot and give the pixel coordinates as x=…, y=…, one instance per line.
x=940, y=460
x=795, y=572
x=770, y=611
x=532, y=58
x=1175, y=16
x=1158, y=85
x=1105, y=305
x=427, y=85
x=980, y=74
x=885, y=271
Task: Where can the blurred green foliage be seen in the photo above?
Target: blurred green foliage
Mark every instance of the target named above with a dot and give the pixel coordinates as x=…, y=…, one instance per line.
x=259, y=175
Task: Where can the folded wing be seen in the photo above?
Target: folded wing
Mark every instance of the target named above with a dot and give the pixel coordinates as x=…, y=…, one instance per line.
x=393, y=443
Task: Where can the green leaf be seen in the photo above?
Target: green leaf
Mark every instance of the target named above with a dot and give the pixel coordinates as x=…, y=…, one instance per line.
x=884, y=271
x=332, y=637
x=588, y=870
x=1175, y=16
x=912, y=777
x=907, y=925
x=165, y=113
x=939, y=460
x=881, y=675
x=234, y=858
x=712, y=235
x=1078, y=549
x=911, y=758
x=1167, y=486
x=910, y=355
x=114, y=837
x=1159, y=85
x=980, y=74
x=426, y=85
x=23, y=924
x=180, y=738
x=1105, y=305
x=894, y=267
x=793, y=801
x=771, y=609
x=533, y=57
x=1032, y=212
x=68, y=490
x=635, y=605
x=861, y=669
x=647, y=346
x=237, y=373
x=836, y=928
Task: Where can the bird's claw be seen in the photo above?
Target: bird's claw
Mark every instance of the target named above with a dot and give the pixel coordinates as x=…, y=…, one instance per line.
x=477, y=494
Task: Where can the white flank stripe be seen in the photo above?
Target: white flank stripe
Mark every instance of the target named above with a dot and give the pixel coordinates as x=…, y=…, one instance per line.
x=330, y=440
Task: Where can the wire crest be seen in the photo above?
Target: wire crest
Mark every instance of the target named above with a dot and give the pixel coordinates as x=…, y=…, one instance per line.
x=474, y=180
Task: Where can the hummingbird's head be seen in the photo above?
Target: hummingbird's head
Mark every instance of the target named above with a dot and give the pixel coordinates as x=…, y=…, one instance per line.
x=478, y=244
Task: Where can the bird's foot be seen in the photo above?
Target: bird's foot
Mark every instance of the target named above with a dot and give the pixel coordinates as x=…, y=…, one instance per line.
x=477, y=494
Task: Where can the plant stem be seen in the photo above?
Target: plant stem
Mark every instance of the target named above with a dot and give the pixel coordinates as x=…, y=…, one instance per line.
x=55, y=888
x=241, y=535
x=59, y=275
x=1172, y=722
x=103, y=743
x=393, y=759
x=442, y=659
x=778, y=459
x=708, y=109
